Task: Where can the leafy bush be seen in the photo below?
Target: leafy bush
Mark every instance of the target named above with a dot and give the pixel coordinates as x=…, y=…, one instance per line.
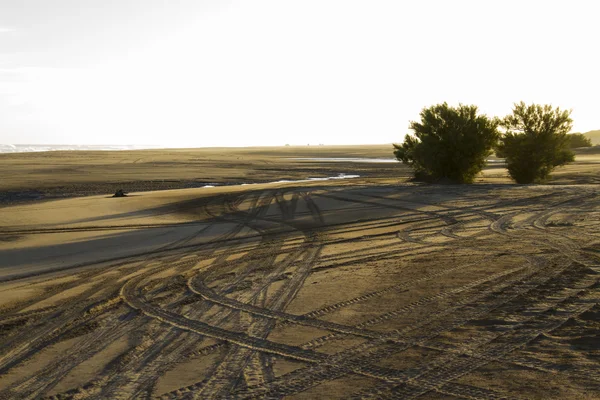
x=535, y=142
x=449, y=143
x=577, y=140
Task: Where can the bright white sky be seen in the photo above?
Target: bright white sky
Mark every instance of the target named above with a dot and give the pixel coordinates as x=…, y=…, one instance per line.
x=271, y=72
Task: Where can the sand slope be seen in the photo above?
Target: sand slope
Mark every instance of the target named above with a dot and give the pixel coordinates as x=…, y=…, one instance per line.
x=323, y=290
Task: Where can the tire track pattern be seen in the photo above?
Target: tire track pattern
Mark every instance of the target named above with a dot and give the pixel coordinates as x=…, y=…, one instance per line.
x=224, y=298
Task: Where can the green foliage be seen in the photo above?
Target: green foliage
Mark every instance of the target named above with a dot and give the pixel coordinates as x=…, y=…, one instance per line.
x=577, y=140
x=449, y=143
x=536, y=141
x=498, y=151
x=593, y=136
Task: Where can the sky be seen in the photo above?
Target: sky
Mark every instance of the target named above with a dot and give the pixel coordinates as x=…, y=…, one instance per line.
x=194, y=73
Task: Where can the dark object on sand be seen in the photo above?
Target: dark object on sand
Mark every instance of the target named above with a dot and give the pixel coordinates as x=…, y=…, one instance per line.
x=120, y=193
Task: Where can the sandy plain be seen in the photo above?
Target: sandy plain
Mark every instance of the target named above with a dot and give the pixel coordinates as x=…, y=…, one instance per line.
x=368, y=288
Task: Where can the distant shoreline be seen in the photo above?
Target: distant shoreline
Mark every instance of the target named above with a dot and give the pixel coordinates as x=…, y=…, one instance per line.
x=35, y=148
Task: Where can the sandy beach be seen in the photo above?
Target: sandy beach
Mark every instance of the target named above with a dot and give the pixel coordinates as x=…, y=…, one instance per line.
x=366, y=287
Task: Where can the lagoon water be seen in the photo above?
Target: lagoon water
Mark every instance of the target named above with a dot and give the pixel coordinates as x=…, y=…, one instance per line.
x=339, y=176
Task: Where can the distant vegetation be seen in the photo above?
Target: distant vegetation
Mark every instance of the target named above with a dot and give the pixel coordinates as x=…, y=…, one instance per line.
x=453, y=143
x=535, y=141
x=450, y=143
x=577, y=140
x=594, y=136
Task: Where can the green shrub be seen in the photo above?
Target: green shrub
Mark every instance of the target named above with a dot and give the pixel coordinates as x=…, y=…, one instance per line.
x=577, y=140
x=535, y=141
x=449, y=143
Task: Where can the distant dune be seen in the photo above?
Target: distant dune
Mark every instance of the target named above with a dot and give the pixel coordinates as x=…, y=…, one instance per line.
x=594, y=136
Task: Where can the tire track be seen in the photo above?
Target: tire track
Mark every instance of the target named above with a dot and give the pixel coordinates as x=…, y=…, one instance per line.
x=429, y=328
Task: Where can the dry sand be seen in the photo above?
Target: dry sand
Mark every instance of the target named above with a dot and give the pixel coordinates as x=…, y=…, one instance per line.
x=364, y=288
